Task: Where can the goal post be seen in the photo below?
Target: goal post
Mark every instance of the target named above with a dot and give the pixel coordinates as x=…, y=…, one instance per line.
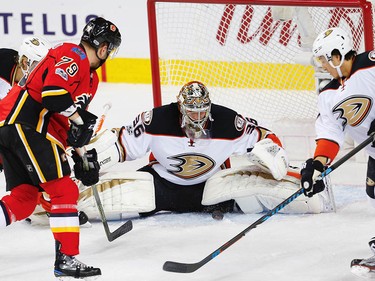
x=253, y=55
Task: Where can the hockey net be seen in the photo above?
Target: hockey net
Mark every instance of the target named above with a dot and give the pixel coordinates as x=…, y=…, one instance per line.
x=254, y=56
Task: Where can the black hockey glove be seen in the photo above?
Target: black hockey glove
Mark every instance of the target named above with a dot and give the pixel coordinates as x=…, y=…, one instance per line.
x=80, y=135
x=310, y=170
x=372, y=129
x=88, y=176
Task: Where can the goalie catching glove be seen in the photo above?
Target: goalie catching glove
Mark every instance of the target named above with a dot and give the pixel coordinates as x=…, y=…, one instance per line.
x=88, y=176
x=268, y=155
x=81, y=129
x=311, y=169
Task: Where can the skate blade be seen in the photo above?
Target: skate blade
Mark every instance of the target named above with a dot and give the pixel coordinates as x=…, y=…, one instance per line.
x=362, y=271
x=69, y=278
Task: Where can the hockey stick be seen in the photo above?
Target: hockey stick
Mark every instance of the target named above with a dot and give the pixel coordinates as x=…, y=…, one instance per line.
x=99, y=124
x=128, y=225
x=191, y=267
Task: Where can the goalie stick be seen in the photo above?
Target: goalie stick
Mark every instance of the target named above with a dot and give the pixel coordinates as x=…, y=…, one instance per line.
x=128, y=225
x=191, y=267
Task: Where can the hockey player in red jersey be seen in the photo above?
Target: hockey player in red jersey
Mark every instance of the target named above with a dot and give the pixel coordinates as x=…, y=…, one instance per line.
x=14, y=66
x=39, y=118
x=346, y=105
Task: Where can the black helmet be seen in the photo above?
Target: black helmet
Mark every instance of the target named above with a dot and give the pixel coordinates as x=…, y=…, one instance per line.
x=99, y=30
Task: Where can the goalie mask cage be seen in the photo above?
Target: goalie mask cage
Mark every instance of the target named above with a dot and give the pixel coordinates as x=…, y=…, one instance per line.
x=253, y=56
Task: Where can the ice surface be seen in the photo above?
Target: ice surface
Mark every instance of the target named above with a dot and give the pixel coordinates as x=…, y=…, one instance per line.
x=284, y=248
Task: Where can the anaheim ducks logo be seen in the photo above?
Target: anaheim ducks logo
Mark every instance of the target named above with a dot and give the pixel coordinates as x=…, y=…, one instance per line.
x=35, y=41
x=190, y=166
x=353, y=110
x=327, y=33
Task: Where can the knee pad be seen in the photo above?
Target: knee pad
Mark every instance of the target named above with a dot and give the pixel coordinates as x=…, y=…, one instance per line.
x=21, y=202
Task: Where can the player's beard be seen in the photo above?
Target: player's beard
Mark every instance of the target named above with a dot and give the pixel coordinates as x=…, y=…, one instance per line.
x=95, y=66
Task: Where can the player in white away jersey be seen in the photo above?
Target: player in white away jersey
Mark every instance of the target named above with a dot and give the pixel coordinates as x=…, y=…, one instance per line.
x=346, y=105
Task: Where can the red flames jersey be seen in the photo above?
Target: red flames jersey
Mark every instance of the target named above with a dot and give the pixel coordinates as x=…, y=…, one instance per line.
x=62, y=81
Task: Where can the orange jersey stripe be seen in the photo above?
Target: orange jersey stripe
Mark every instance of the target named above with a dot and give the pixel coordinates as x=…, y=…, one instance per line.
x=326, y=148
x=275, y=139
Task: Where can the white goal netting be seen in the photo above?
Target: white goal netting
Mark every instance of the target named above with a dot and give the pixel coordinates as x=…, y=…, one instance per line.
x=255, y=59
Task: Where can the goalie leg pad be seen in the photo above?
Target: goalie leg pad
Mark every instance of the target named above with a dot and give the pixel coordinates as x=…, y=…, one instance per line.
x=120, y=192
x=255, y=190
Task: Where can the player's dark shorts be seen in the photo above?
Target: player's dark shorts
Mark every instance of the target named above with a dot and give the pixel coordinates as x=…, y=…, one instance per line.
x=181, y=198
x=30, y=158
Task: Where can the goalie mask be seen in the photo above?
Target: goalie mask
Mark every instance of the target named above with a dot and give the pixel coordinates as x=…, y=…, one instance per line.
x=195, y=107
x=34, y=49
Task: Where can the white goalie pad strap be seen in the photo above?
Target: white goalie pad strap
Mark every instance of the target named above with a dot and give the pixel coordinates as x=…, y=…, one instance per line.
x=255, y=190
x=269, y=155
x=121, y=192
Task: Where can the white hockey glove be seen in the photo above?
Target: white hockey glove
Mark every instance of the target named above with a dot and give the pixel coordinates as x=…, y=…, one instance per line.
x=269, y=155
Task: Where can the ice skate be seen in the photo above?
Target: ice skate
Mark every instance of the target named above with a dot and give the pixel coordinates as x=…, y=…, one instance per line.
x=69, y=268
x=365, y=268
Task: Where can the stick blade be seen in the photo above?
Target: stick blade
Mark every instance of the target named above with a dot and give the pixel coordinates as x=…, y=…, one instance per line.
x=178, y=267
x=125, y=228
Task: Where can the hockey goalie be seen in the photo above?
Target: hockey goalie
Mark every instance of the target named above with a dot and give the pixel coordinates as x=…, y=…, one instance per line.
x=250, y=189
x=189, y=143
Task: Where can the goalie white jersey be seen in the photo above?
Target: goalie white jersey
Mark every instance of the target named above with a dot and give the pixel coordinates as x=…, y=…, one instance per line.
x=184, y=161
